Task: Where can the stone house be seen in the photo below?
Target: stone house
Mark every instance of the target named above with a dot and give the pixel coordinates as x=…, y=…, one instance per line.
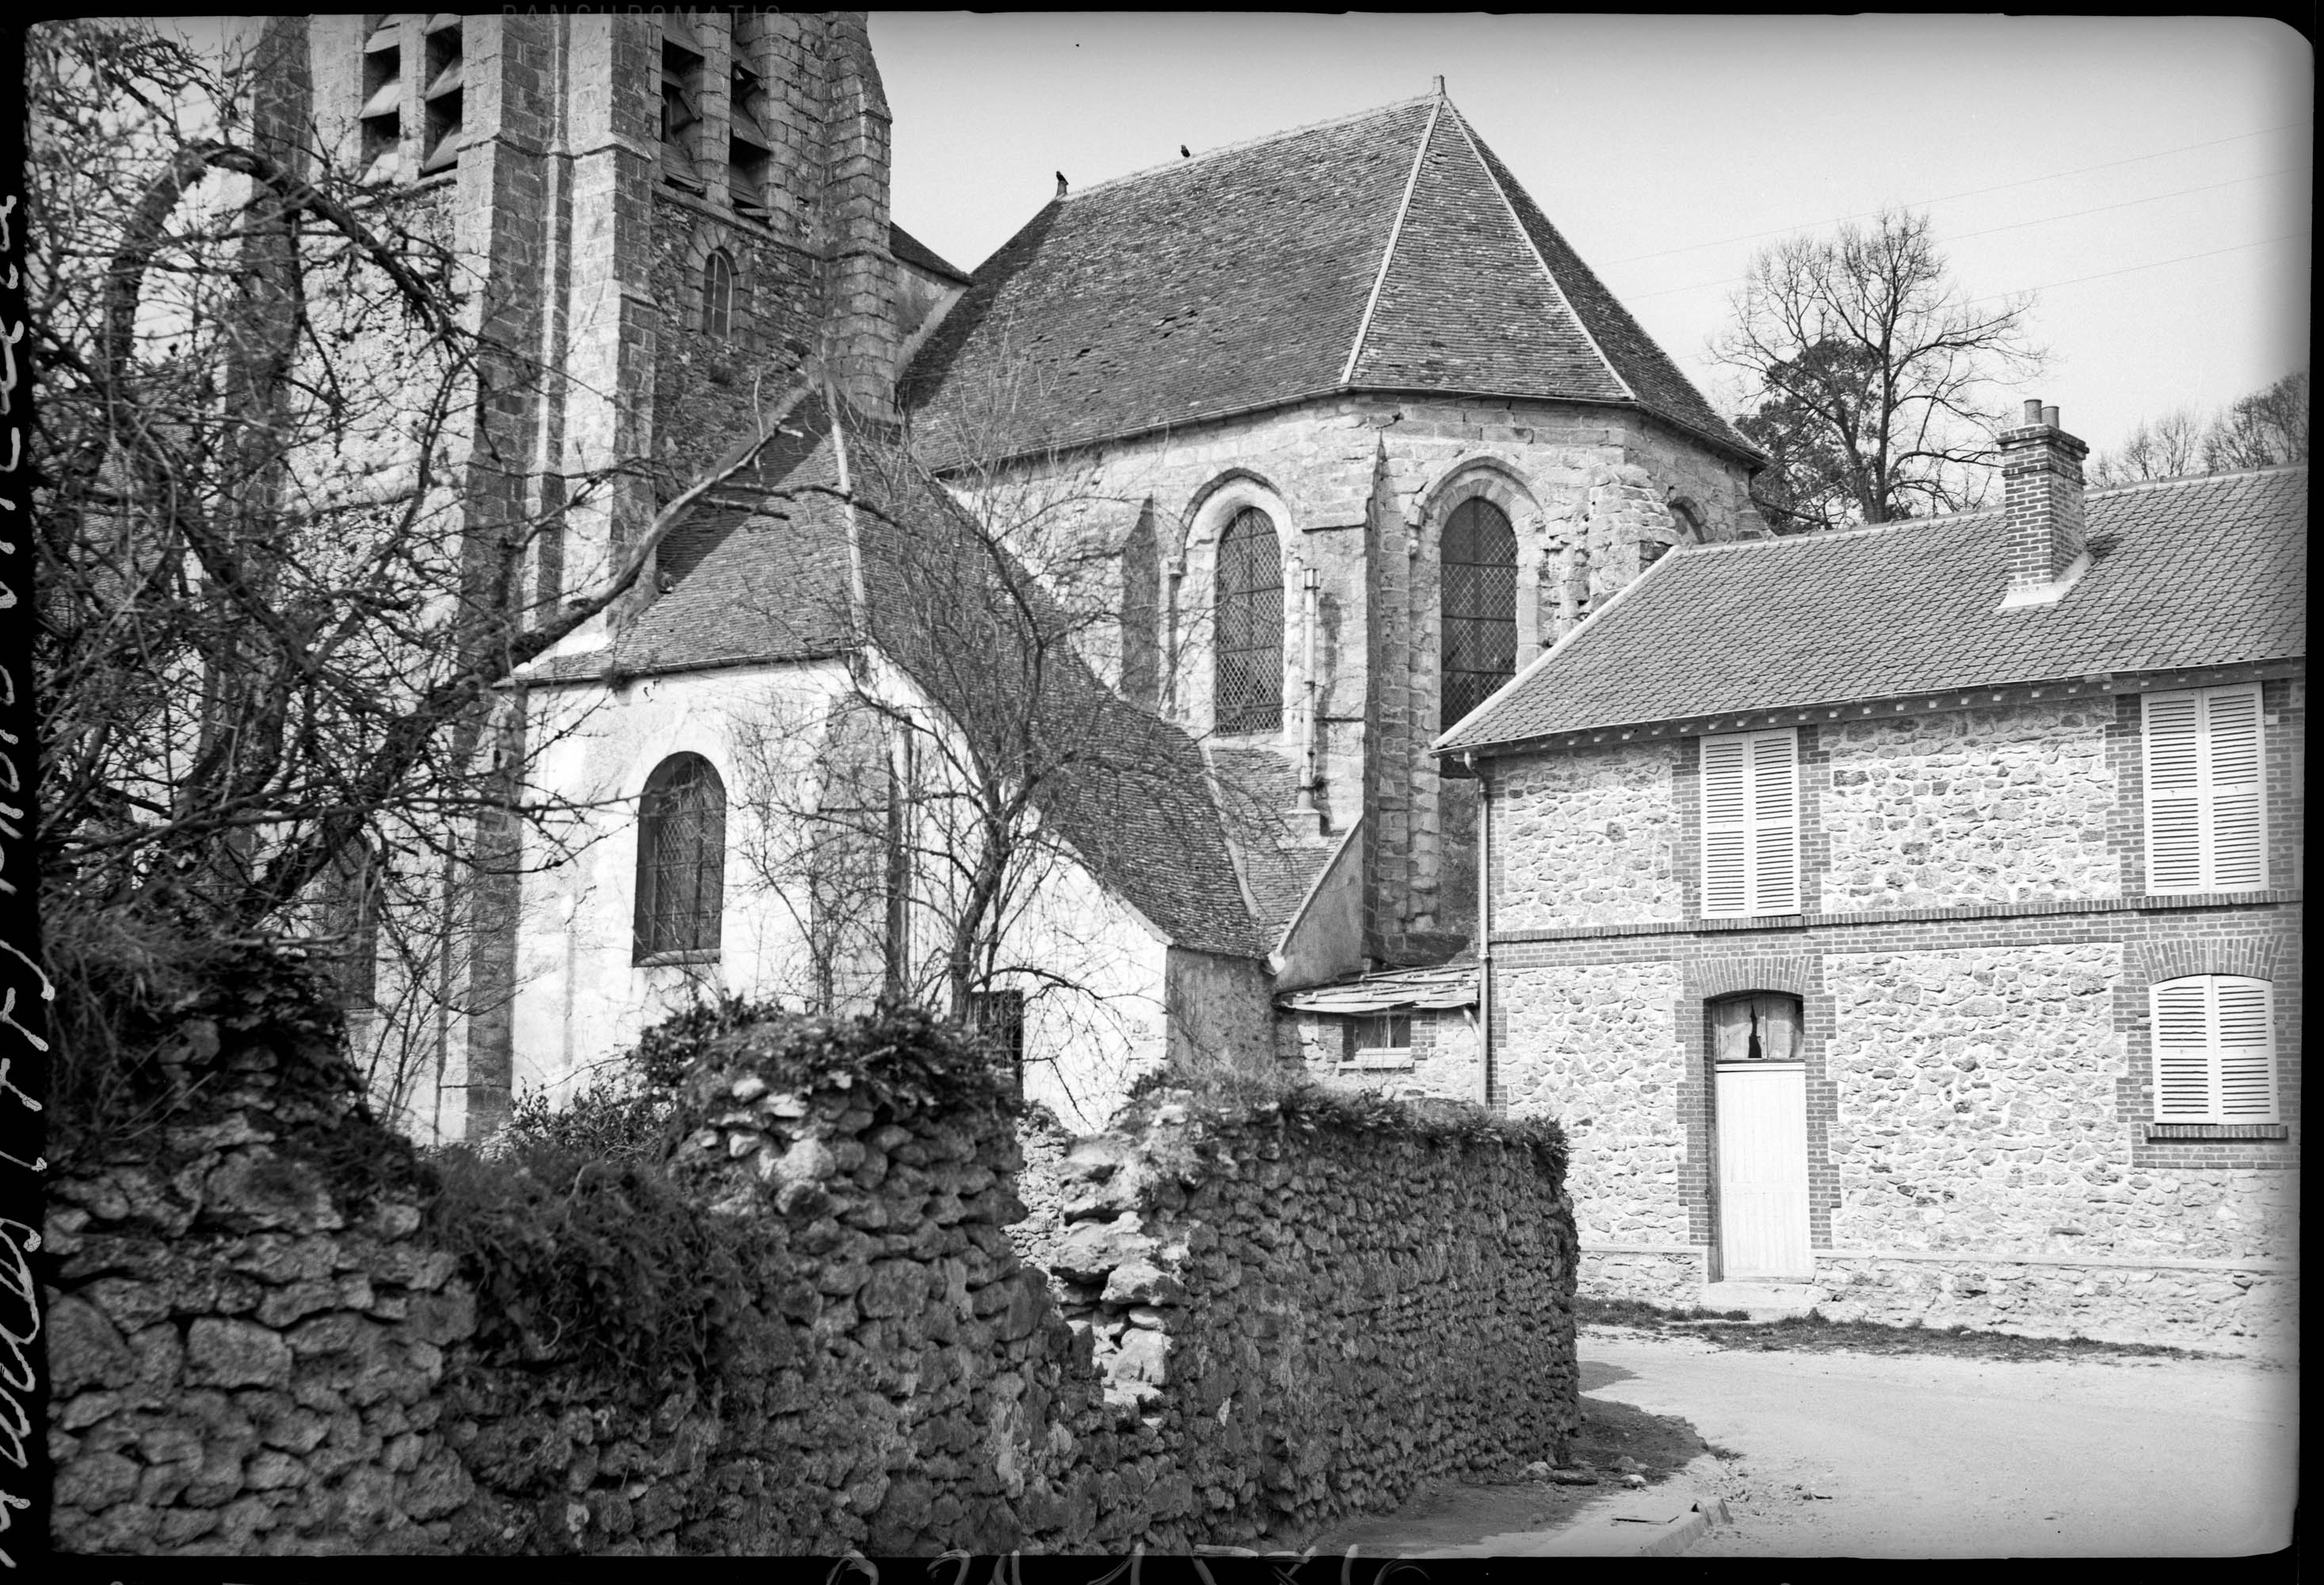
x=1328, y=435
x=1907, y=919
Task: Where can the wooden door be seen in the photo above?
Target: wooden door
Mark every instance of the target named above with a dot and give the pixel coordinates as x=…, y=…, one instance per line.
x=1763, y=1171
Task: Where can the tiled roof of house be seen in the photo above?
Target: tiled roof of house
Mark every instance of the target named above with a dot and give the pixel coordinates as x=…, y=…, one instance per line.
x=910, y=249
x=758, y=574
x=2184, y=574
x=1257, y=788
x=1129, y=792
x=1246, y=277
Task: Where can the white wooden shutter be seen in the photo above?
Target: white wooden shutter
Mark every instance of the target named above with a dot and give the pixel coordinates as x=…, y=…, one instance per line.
x=2174, y=793
x=2214, y=1050
x=2206, y=823
x=1726, y=826
x=1751, y=824
x=2244, y=1031
x=1774, y=822
x=2237, y=855
x=2182, y=1050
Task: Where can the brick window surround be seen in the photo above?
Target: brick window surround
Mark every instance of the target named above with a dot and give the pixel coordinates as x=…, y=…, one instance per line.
x=1701, y=981
x=2156, y=1144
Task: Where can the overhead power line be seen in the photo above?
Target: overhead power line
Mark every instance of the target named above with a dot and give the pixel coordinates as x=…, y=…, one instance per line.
x=2134, y=269
x=1947, y=197
x=2126, y=204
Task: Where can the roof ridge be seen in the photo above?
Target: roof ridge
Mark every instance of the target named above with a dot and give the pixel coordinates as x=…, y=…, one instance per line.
x=2179, y=481
x=1394, y=239
x=1860, y=531
x=1258, y=142
x=1516, y=223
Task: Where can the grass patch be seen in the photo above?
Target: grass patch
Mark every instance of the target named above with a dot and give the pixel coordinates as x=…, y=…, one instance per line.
x=1817, y=1334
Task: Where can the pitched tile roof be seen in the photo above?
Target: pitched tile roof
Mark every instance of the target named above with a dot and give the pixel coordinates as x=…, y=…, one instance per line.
x=1257, y=788
x=2208, y=571
x=1129, y=792
x=910, y=249
x=1247, y=277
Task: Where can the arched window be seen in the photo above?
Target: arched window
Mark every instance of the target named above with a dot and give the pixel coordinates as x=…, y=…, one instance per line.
x=1759, y=1026
x=717, y=294
x=1686, y=523
x=1479, y=606
x=2214, y=1050
x=1249, y=691
x=681, y=858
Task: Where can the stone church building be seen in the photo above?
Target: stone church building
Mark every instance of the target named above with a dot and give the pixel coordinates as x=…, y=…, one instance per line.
x=1330, y=434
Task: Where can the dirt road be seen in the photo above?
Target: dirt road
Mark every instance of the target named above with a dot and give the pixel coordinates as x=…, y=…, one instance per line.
x=1922, y=1456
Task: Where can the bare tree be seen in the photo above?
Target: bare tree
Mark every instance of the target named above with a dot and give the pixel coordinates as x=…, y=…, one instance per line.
x=2264, y=430
x=2268, y=428
x=2165, y=449
x=1869, y=375
x=933, y=821
x=279, y=558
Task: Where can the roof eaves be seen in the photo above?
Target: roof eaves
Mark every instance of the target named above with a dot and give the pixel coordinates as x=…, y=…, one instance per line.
x=1508, y=206
x=1613, y=601
x=1955, y=698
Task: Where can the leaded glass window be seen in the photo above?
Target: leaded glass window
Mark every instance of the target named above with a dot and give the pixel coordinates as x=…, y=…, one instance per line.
x=717, y=295
x=1249, y=684
x=1479, y=607
x=681, y=858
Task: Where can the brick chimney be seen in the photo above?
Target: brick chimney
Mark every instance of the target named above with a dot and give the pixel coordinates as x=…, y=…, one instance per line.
x=2042, y=492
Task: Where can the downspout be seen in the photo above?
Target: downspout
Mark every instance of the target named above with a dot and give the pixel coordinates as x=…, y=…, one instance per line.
x=1308, y=778
x=1484, y=934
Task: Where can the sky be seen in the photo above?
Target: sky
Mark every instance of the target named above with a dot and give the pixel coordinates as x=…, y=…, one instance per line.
x=2150, y=177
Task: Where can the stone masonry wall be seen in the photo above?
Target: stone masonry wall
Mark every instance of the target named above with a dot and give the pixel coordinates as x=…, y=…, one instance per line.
x=1970, y=806
x=1587, y=839
x=1598, y=1049
x=1317, y=1317
x=257, y=1347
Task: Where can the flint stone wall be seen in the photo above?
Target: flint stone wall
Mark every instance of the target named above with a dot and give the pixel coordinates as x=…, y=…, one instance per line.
x=250, y=1354
x=1316, y=1319
x=1970, y=806
x=1588, y=839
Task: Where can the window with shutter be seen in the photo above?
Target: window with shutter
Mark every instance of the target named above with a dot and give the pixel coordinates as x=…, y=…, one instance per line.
x=1750, y=823
x=2205, y=826
x=2214, y=1050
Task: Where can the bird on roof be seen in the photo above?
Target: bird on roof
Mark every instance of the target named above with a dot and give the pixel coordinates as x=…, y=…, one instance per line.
x=1184, y=153
x=1061, y=184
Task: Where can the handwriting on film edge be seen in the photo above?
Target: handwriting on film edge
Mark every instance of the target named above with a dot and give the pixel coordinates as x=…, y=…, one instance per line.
x=20, y=1312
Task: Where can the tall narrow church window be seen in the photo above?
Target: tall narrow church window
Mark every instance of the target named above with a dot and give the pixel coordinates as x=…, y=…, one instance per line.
x=717, y=295
x=1249, y=684
x=1479, y=607
x=681, y=859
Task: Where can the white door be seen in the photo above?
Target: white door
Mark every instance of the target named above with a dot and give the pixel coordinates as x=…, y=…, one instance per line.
x=1763, y=1170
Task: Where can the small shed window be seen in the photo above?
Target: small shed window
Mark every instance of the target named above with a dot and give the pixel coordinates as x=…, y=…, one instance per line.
x=1390, y=1031
x=1479, y=607
x=1758, y=1027
x=1249, y=691
x=681, y=859
x=717, y=294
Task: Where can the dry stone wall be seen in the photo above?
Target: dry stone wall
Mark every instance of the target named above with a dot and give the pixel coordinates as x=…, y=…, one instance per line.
x=1318, y=1315
x=1970, y=806
x=259, y=1344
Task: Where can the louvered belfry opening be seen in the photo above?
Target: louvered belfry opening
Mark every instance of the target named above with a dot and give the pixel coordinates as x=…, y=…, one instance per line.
x=681, y=858
x=1249, y=686
x=1480, y=605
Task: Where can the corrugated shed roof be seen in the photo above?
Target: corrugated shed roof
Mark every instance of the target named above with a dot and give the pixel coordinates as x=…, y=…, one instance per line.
x=1446, y=985
x=2208, y=571
x=1242, y=279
